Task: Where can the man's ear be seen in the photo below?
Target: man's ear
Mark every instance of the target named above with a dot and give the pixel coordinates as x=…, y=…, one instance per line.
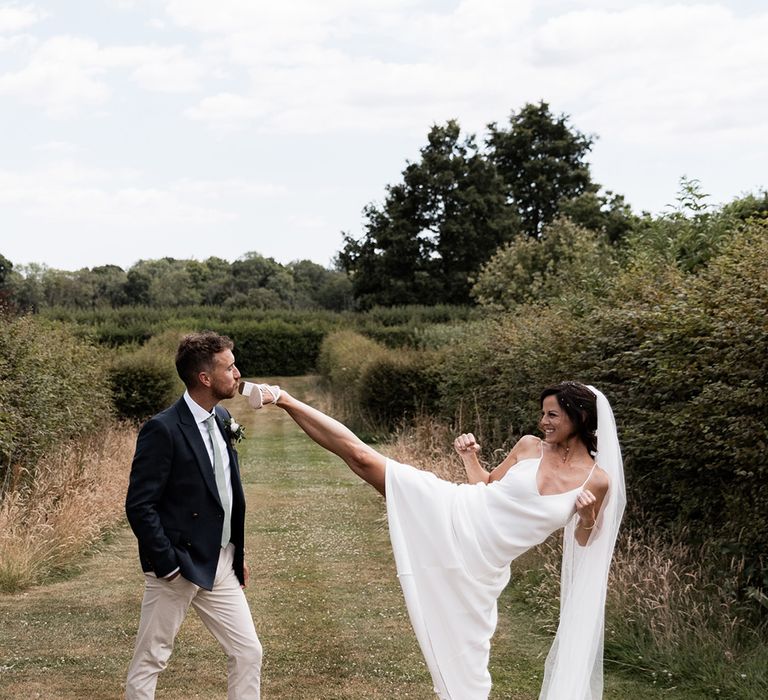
x=204, y=379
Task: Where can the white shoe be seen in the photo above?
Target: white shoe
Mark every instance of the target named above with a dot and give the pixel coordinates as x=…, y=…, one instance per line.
x=259, y=394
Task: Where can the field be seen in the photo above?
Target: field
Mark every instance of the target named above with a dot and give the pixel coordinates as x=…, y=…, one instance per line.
x=324, y=596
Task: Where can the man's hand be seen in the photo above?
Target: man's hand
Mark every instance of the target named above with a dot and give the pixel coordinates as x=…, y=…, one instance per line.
x=246, y=575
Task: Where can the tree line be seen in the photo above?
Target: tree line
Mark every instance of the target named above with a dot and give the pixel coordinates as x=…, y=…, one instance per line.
x=252, y=281
x=454, y=208
x=472, y=220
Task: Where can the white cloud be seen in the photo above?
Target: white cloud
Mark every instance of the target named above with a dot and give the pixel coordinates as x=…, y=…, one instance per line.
x=670, y=88
x=168, y=69
x=14, y=17
x=61, y=75
x=67, y=192
x=61, y=148
x=333, y=66
x=658, y=73
x=65, y=74
x=337, y=67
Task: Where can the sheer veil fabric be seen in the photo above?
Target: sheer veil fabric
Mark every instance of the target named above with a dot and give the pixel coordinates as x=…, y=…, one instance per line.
x=574, y=666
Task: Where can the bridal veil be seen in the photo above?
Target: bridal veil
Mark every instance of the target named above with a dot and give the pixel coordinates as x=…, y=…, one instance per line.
x=574, y=666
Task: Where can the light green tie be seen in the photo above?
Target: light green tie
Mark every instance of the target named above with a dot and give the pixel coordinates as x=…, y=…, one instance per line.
x=221, y=482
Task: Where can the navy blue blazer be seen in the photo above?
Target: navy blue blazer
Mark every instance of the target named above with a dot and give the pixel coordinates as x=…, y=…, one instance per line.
x=173, y=504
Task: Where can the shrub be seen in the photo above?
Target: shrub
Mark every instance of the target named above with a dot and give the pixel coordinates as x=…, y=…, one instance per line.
x=274, y=348
x=566, y=260
x=373, y=387
x=53, y=388
x=689, y=382
x=343, y=358
x=397, y=387
x=490, y=381
x=145, y=381
x=682, y=357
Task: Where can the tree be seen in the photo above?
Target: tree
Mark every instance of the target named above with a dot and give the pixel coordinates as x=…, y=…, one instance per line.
x=605, y=213
x=213, y=278
x=567, y=261
x=542, y=162
x=317, y=286
x=435, y=228
x=70, y=289
x=27, y=286
x=108, y=283
x=163, y=282
x=137, y=284
x=6, y=275
x=261, y=282
x=6, y=267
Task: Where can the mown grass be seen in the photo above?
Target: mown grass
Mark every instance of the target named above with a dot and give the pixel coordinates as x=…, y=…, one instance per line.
x=324, y=596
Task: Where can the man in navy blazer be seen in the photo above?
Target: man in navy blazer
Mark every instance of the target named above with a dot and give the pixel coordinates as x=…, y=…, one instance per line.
x=186, y=506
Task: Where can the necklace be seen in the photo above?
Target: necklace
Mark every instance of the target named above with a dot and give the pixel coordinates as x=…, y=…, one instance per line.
x=567, y=454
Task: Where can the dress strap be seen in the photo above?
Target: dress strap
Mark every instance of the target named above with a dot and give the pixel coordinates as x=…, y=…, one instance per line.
x=590, y=475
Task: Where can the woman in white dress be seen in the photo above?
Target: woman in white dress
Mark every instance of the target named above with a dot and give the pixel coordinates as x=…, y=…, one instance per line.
x=453, y=543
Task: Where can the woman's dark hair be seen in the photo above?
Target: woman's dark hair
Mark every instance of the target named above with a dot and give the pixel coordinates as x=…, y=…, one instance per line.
x=195, y=354
x=581, y=406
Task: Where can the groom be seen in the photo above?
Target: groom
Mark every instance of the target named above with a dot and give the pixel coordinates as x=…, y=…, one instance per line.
x=186, y=506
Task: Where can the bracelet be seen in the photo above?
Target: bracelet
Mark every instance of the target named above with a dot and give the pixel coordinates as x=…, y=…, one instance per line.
x=584, y=527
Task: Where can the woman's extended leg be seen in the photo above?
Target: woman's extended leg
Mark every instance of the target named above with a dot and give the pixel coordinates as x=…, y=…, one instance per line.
x=337, y=438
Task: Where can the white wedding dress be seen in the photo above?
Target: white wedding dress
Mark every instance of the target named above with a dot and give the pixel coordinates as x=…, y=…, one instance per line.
x=453, y=544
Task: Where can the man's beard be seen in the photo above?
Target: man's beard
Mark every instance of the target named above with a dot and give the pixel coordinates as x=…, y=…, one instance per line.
x=221, y=394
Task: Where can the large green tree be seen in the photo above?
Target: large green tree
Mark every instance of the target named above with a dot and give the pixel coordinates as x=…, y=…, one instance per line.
x=319, y=286
x=435, y=228
x=6, y=275
x=542, y=160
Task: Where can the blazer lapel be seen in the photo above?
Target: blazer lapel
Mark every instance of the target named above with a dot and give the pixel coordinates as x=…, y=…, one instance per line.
x=192, y=434
x=230, y=450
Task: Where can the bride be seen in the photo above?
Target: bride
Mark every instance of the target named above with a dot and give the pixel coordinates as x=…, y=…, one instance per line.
x=453, y=543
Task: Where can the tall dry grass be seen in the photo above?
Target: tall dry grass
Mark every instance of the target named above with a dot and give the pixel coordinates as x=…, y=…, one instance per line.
x=428, y=444
x=76, y=494
x=670, y=615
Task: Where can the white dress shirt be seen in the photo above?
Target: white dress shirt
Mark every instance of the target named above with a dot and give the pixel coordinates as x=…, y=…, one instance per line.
x=201, y=415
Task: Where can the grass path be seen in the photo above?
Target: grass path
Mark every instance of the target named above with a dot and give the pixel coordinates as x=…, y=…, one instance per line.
x=323, y=593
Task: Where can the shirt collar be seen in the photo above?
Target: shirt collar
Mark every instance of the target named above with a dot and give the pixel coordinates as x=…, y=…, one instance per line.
x=198, y=412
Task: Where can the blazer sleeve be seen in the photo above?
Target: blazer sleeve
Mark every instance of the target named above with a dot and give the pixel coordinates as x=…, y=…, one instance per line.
x=150, y=472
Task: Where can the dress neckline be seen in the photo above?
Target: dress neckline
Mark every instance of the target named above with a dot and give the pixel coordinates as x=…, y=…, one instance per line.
x=559, y=493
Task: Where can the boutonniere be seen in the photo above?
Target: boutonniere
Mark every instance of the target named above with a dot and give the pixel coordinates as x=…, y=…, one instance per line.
x=235, y=431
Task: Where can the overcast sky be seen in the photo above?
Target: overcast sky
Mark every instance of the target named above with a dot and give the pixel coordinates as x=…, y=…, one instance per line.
x=137, y=129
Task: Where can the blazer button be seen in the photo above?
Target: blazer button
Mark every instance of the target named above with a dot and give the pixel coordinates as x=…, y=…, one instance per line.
x=189, y=544
x=194, y=515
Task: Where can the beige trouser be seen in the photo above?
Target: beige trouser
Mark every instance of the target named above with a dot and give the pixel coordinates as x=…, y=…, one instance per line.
x=224, y=611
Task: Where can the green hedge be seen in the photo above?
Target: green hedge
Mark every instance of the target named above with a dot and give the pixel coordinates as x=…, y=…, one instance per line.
x=53, y=389
x=144, y=381
x=274, y=348
x=131, y=325
x=684, y=360
x=343, y=359
x=375, y=387
x=397, y=387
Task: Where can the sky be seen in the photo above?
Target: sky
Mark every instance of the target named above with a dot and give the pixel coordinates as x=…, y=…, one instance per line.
x=138, y=129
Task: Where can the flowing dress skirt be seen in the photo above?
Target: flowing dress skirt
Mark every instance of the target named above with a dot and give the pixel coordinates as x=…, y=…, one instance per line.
x=450, y=590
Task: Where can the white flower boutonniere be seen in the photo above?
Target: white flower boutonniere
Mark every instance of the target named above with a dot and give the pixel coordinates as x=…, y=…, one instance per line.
x=235, y=431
